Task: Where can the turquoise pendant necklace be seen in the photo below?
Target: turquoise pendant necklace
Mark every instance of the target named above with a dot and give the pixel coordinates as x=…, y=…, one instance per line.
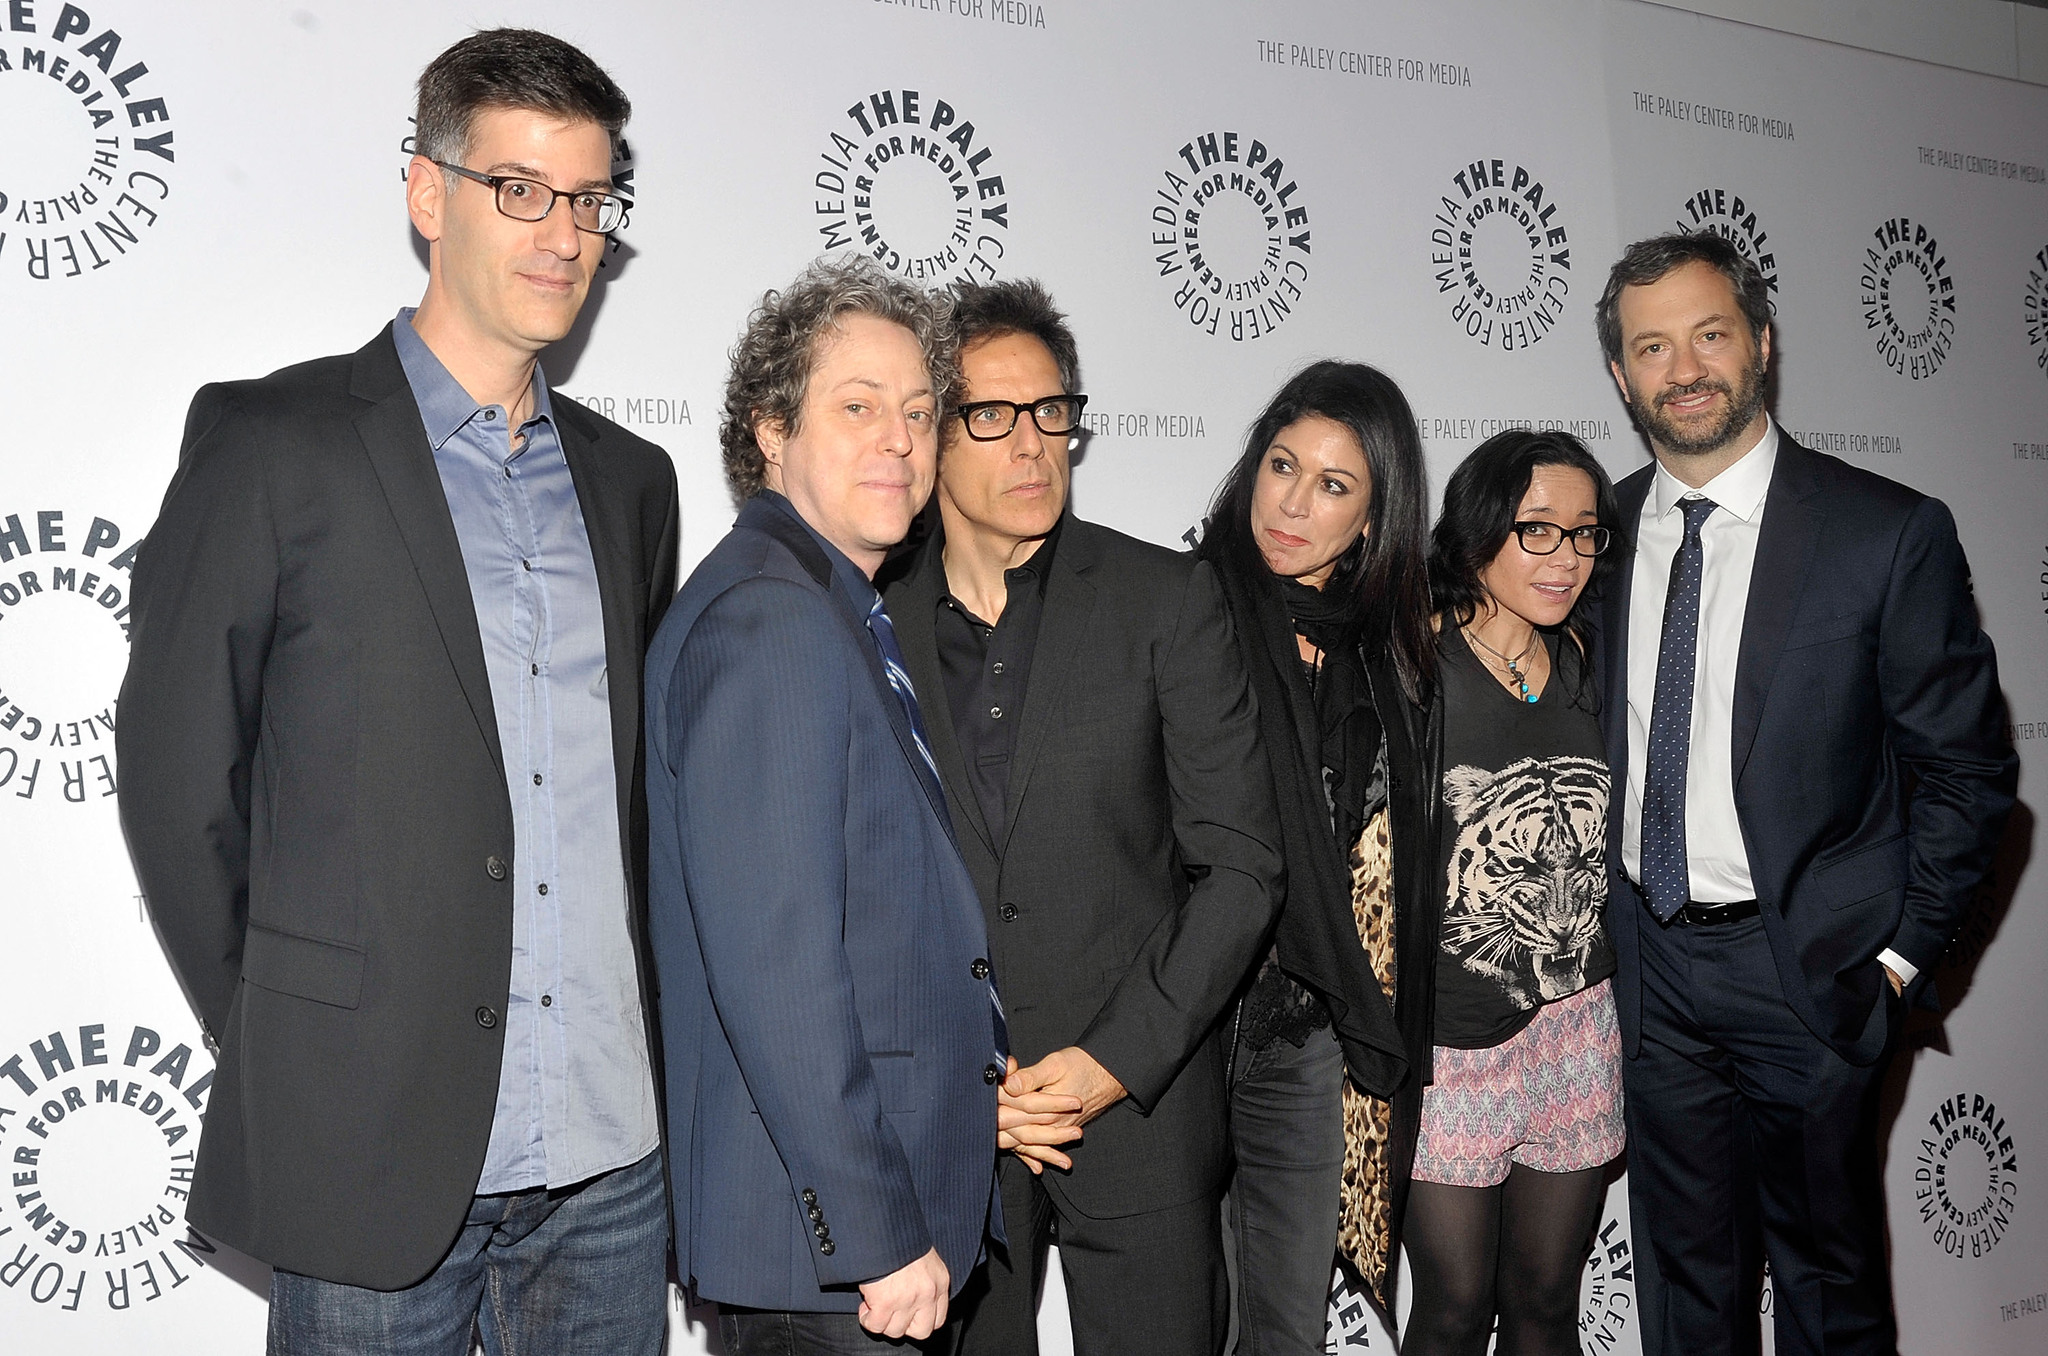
x=1514, y=672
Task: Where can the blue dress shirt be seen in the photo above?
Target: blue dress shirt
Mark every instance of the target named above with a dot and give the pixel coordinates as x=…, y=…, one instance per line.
x=575, y=1095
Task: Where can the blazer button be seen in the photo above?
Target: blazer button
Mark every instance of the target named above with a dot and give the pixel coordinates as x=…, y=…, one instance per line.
x=810, y=1196
x=1008, y=913
x=826, y=1246
x=823, y=1233
x=991, y=1074
x=486, y=1018
x=817, y=1215
x=494, y=867
x=979, y=969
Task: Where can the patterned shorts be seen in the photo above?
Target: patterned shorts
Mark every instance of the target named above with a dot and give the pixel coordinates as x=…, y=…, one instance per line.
x=1548, y=1097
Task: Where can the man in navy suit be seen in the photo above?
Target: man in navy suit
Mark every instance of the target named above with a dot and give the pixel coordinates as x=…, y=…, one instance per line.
x=1806, y=718
x=832, y=1039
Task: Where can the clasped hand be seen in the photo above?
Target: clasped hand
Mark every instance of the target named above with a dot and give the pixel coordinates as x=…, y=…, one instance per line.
x=1044, y=1106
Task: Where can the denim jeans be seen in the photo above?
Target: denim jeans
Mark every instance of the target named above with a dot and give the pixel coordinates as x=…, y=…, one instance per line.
x=537, y=1273
x=1287, y=1124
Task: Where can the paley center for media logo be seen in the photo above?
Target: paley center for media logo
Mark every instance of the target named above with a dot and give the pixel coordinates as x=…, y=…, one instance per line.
x=1230, y=228
x=91, y=151
x=98, y=1129
x=1499, y=247
x=908, y=179
x=63, y=649
x=1908, y=298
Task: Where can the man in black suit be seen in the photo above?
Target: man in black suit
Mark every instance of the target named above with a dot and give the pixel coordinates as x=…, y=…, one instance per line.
x=1807, y=720
x=1093, y=727
x=380, y=749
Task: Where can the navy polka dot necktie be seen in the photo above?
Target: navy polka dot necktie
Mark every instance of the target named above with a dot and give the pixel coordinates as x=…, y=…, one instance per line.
x=1667, y=880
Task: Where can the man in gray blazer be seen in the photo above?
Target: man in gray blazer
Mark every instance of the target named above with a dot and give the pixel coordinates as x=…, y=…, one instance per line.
x=831, y=1035
x=380, y=772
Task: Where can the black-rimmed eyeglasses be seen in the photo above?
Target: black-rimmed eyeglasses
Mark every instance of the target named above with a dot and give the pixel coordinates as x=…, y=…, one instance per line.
x=530, y=200
x=989, y=420
x=1543, y=539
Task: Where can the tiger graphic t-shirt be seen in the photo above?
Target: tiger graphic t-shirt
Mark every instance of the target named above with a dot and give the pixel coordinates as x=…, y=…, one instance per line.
x=1525, y=847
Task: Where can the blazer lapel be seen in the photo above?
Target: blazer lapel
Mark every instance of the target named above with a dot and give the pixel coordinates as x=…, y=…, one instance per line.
x=404, y=462
x=914, y=614
x=1784, y=560
x=1069, y=609
x=608, y=524
x=1614, y=624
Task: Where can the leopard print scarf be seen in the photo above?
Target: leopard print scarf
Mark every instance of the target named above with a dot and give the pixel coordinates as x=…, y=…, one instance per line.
x=1365, y=1225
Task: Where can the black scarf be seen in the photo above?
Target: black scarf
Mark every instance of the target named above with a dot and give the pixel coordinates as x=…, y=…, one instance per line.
x=1333, y=726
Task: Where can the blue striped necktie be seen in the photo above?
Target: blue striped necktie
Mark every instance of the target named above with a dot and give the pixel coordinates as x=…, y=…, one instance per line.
x=1667, y=878
x=884, y=632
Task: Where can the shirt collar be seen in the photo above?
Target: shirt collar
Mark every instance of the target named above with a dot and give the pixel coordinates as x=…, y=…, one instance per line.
x=445, y=408
x=847, y=575
x=1739, y=490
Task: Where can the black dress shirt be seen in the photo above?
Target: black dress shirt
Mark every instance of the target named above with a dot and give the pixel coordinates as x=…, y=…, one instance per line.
x=986, y=667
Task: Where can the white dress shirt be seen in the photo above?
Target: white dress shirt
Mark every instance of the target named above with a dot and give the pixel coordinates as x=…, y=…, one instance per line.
x=1716, y=859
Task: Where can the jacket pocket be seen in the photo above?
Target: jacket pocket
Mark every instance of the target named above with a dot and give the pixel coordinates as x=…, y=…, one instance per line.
x=1823, y=631
x=1864, y=873
x=304, y=967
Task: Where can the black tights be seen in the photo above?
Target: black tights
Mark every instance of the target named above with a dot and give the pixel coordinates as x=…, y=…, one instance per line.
x=1518, y=1247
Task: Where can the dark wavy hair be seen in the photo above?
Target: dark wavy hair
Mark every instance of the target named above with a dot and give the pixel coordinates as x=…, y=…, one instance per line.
x=1646, y=261
x=1385, y=574
x=1480, y=503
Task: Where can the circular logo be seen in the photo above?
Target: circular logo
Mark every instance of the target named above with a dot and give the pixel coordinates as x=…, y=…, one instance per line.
x=1351, y=1320
x=1607, y=1294
x=1500, y=249
x=98, y=1128
x=1909, y=300
x=1966, y=1176
x=909, y=180
x=2035, y=310
x=63, y=649
x=91, y=151
x=1716, y=211
x=1231, y=236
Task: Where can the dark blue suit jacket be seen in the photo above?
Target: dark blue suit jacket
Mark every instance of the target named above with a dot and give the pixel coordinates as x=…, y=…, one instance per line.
x=815, y=937
x=1872, y=769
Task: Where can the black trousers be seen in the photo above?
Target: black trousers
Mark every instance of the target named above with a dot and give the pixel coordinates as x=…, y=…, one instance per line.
x=1139, y=1285
x=1750, y=1138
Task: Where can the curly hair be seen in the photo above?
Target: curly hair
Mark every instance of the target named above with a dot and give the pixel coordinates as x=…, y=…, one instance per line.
x=774, y=358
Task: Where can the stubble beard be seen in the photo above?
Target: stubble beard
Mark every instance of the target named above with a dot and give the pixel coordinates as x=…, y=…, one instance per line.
x=1744, y=403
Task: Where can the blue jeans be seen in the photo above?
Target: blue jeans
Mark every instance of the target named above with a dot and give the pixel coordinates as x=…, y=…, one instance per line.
x=1287, y=1125
x=582, y=1269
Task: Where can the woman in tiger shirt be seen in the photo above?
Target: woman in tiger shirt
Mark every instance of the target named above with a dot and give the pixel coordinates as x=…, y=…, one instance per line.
x=1523, y=1108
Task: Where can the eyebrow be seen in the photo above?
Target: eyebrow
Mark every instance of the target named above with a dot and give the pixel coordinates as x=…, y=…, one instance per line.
x=1704, y=322
x=1545, y=508
x=525, y=171
x=1323, y=471
x=874, y=385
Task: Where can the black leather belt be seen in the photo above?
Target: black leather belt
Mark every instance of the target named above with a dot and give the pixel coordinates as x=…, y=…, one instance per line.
x=1712, y=915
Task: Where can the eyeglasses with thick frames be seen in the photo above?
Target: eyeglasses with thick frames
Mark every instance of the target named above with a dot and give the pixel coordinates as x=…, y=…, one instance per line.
x=990, y=420
x=1543, y=539
x=530, y=200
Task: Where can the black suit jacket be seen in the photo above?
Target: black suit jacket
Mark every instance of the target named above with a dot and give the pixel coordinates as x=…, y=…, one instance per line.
x=315, y=799
x=1137, y=873
x=1872, y=770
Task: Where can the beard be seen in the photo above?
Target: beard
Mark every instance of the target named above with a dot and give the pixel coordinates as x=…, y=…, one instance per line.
x=1745, y=401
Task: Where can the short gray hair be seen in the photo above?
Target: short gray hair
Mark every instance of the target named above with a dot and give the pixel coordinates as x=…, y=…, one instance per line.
x=773, y=360
x=512, y=68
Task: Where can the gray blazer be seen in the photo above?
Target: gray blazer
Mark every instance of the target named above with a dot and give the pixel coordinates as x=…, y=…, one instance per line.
x=315, y=799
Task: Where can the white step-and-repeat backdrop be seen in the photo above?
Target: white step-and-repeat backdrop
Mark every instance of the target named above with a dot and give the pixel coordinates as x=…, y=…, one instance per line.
x=1215, y=191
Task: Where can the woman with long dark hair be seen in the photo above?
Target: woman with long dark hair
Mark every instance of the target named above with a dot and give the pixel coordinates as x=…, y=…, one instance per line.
x=1523, y=1106
x=1318, y=535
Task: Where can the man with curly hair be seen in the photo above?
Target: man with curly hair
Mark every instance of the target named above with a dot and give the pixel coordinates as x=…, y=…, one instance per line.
x=832, y=1038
